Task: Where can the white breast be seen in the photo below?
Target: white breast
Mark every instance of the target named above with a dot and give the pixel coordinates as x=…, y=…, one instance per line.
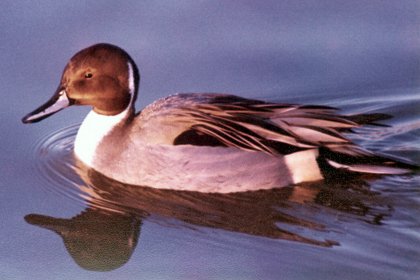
x=93, y=129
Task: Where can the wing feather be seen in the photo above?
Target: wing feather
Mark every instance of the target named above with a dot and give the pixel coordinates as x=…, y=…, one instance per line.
x=257, y=125
x=273, y=128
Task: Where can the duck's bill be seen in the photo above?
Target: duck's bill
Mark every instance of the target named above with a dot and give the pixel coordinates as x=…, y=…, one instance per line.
x=44, y=222
x=58, y=102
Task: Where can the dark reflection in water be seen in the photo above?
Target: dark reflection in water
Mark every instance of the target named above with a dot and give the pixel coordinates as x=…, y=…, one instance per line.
x=96, y=239
x=105, y=234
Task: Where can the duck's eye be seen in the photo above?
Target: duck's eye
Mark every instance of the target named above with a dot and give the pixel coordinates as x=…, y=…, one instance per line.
x=88, y=75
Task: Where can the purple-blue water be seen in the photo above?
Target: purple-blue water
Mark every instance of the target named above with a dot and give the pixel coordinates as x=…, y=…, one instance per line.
x=59, y=221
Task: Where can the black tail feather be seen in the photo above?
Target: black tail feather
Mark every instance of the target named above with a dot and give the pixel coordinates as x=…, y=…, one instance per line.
x=330, y=160
x=371, y=119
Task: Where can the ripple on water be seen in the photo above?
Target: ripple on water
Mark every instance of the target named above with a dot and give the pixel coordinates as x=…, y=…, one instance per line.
x=55, y=163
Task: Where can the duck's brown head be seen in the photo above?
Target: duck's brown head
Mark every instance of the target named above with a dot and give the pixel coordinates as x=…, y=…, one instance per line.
x=103, y=76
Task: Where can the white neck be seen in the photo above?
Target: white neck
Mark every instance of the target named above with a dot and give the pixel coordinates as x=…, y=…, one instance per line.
x=93, y=129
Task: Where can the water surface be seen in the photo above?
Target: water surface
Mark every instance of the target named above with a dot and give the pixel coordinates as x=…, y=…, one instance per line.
x=63, y=221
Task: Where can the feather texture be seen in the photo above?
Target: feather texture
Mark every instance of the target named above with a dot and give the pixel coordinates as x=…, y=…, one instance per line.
x=272, y=128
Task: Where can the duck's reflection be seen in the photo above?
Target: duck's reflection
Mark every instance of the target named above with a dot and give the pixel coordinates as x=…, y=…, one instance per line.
x=104, y=235
x=96, y=239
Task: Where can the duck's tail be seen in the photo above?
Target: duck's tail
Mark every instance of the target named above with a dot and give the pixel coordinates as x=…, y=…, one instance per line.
x=357, y=160
x=351, y=158
x=370, y=118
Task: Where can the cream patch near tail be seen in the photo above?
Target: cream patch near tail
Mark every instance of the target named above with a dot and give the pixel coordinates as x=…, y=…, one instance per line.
x=303, y=166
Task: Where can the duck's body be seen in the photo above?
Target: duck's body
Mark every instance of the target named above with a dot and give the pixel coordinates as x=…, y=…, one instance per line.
x=200, y=142
x=150, y=150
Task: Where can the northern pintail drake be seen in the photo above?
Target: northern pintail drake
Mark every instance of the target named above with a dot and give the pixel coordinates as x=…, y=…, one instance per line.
x=201, y=142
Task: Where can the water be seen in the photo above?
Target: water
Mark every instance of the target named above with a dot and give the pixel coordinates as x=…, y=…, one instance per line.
x=61, y=221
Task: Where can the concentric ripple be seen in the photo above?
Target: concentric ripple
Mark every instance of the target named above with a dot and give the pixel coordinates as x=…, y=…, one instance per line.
x=55, y=163
x=61, y=173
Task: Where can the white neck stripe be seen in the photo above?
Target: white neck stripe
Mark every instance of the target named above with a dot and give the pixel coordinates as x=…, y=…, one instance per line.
x=131, y=82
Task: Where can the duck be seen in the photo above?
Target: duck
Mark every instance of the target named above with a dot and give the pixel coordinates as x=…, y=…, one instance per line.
x=204, y=142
